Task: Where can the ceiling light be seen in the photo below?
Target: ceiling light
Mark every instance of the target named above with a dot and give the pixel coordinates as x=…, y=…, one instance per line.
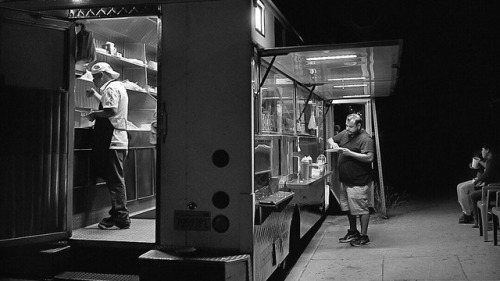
x=347, y=78
x=357, y=96
x=350, y=86
x=332, y=57
x=283, y=81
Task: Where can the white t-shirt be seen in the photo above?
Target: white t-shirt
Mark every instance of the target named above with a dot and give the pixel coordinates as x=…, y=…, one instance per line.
x=114, y=95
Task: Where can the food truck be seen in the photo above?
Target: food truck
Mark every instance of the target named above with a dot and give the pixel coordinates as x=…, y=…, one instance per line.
x=238, y=173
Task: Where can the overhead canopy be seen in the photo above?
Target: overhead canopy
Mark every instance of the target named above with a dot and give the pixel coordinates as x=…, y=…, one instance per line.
x=343, y=70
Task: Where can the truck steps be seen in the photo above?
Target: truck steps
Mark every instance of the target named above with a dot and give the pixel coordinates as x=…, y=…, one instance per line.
x=157, y=265
x=88, y=276
x=35, y=262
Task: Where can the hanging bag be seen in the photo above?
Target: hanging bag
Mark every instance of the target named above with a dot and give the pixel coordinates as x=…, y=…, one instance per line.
x=85, y=48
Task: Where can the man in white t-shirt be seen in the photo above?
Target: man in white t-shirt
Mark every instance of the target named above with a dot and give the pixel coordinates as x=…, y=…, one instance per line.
x=114, y=100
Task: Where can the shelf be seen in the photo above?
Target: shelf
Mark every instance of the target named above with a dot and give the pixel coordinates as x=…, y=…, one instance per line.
x=151, y=69
x=262, y=172
x=277, y=98
x=275, y=202
x=124, y=60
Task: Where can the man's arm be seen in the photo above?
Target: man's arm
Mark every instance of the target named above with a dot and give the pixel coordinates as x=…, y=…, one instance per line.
x=334, y=141
x=105, y=113
x=490, y=172
x=92, y=93
x=110, y=103
x=332, y=144
x=363, y=157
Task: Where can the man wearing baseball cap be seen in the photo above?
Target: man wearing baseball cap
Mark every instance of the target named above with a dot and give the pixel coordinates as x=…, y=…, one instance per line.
x=111, y=131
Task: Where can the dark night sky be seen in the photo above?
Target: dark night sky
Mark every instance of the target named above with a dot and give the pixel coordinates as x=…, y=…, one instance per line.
x=440, y=111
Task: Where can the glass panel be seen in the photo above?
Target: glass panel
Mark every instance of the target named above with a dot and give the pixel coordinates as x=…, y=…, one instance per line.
x=357, y=69
x=277, y=114
x=308, y=115
x=320, y=121
x=287, y=116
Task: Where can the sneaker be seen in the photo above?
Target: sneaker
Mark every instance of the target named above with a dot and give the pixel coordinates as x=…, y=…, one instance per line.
x=361, y=241
x=123, y=225
x=109, y=222
x=100, y=181
x=466, y=219
x=106, y=223
x=350, y=236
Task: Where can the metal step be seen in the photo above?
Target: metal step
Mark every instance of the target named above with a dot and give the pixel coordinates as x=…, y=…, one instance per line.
x=17, y=279
x=87, y=276
x=114, y=251
x=155, y=265
x=35, y=261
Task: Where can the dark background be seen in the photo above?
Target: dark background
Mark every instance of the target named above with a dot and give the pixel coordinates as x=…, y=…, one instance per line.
x=440, y=112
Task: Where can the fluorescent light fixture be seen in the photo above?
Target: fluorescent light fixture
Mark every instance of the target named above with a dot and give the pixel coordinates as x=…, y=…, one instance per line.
x=357, y=96
x=347, y=79
x=283, y=81
x=350, y=86
x=332, y=57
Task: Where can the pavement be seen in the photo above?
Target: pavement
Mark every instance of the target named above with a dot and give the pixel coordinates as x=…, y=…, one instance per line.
x=421, y=240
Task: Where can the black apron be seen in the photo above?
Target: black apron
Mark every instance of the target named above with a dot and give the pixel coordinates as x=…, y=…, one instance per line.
x=101, y=140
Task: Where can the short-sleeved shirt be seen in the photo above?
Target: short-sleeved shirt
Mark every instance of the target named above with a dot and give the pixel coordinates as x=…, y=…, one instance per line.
x=491, y=173
x=351, y=170
x=114, y=95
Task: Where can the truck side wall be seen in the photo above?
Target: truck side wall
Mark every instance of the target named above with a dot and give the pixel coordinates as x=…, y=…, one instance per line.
x=206, y=94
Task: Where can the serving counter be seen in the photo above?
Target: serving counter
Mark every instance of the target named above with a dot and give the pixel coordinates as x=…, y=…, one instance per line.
x=311, y=196
x=310, y=191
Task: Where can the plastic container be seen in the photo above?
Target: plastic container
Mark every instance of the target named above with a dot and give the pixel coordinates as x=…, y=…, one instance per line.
x=321, y=160
x=304, y=169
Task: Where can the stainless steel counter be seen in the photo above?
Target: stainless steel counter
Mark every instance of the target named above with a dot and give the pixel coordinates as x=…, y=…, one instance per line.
x=294, y=184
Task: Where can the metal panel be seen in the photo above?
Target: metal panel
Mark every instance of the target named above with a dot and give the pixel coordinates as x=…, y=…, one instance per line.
x=34, y=163
x=209, y=105
x=114, y=11
x=272, y=242
x=37, y=145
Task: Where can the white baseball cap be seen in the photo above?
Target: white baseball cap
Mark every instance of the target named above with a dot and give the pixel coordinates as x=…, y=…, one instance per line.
x=104, y=67
x=86, y=77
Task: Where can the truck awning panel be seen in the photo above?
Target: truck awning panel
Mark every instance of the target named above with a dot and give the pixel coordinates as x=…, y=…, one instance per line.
x=368, y=69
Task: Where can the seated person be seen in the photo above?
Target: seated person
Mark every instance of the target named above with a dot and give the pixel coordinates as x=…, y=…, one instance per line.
x=491, y=175
x=465, y=188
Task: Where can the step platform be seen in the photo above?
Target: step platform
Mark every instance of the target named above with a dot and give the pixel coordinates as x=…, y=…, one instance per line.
x=35, y=261
x=87, y=276
x=161, y=265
